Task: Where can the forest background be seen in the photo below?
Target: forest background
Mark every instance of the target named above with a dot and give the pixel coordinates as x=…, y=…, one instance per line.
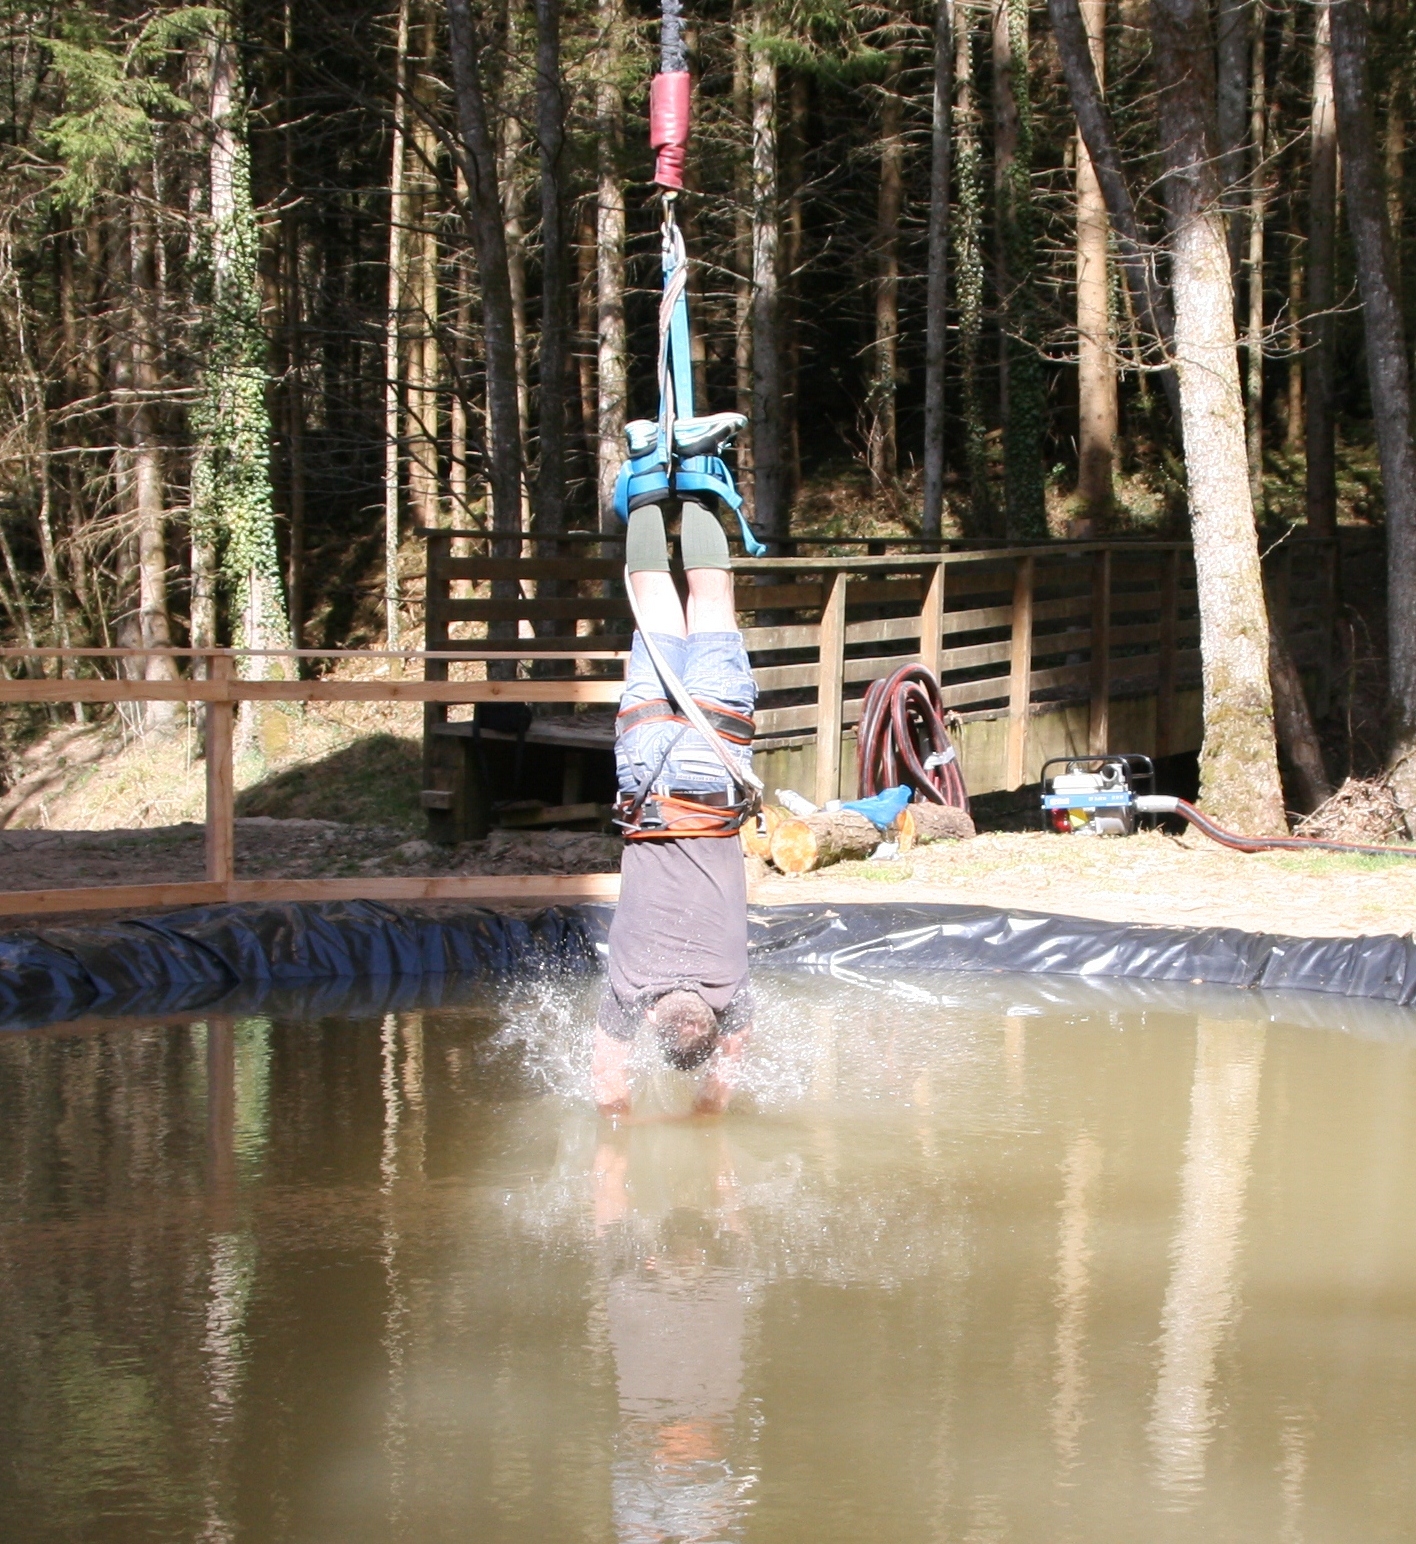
x=280, y=283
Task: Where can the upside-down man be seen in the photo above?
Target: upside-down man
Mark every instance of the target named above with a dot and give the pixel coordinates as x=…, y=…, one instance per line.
x=678, y=943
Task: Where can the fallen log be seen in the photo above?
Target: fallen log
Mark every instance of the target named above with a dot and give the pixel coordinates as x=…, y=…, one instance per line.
x=757, y=833
x=939, y=823
x=801, y=844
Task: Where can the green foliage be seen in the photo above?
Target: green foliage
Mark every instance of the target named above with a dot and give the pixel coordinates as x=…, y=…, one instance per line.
x=112, y=96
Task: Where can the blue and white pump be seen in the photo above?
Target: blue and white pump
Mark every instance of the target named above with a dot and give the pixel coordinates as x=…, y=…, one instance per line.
x=680, y=454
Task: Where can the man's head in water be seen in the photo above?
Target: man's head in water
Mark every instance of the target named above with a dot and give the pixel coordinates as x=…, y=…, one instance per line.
x=687, y=1029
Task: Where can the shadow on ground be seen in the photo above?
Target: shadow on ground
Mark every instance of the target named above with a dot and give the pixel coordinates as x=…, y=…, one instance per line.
x=372, y=782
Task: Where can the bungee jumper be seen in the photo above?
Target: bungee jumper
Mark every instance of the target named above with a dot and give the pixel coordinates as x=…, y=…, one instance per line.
x=683, y=745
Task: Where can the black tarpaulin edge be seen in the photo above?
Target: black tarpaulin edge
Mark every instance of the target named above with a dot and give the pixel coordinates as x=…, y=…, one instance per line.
x=233, y=957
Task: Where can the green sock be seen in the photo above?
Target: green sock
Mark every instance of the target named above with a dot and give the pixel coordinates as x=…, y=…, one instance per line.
x=702, y=539
x=646, y=548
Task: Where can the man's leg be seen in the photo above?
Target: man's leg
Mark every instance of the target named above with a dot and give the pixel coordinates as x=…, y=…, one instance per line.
x=646, y=555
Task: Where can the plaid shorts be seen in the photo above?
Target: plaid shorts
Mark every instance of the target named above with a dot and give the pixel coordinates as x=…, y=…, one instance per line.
x=714, y=668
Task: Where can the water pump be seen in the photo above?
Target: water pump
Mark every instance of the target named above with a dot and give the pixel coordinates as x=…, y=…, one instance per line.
x=1096, y=795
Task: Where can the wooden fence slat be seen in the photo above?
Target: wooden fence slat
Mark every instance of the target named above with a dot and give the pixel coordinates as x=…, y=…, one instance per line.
x=220, y=781
x=448, y=887
x=831, y=661
x=885, y=630
x=974, y=655
x=1021, y=665
x=763, y=640
x=931, y=621
x=1166, y=663
x=561, y=609
x=1099, y=712
x=529, y=568
x=578, y=690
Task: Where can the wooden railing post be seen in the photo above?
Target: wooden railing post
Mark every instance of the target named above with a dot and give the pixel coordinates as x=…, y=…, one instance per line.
x=220, y=781
x=1020, y=671
x=831, y=667
x=931, y=620
x=1165, y=685
x=1099, y=715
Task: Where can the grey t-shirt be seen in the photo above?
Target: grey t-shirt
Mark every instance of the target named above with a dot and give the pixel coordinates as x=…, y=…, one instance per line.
x=681, y=922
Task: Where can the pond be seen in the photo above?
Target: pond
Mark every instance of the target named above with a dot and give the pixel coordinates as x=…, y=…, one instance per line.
x=972, y=1258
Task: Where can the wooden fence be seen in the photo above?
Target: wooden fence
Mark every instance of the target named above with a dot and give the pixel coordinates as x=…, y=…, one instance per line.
x=1022, y=638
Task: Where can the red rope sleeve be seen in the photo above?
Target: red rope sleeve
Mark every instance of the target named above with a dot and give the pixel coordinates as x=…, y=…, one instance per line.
x=669, y=101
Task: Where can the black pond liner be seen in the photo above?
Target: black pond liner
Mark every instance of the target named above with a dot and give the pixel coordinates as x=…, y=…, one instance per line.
x=362, y=956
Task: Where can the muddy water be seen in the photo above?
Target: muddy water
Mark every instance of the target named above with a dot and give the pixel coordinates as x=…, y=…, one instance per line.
x=972, y=1260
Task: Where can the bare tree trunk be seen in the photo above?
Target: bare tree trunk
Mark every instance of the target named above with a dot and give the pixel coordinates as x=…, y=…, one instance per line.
x=555, y=273
x=583, y=343
x=424, y=355
x=1293, y=411
x=484, y=217
x=393, y=328
x=1096, y=352
x=968, y=264
x=1302, y=752
x=294, y=364
x=936, y=300
x=1258, y=213
x=458, y=440
x=609, y=265
x=1238, y=763
x=1134, y=253
x=146, y=483
x=1005, y=153
x=742, y=247
x=768, y=468
x=793, y=238
x=1322, y=243
x=883, y=448
x=1389, y=377
x=1232, y=30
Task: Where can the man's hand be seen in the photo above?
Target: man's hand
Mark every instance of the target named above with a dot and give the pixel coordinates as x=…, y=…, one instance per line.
x=721, y=1079
x=609, y=1074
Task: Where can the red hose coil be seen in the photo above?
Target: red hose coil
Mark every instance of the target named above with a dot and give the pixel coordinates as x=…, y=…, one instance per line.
x=901, y=727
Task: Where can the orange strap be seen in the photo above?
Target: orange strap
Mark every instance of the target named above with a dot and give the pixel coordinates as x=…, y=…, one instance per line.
x=662, y=818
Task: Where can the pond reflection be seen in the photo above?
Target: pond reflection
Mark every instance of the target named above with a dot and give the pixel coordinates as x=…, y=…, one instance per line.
x=975, y=1258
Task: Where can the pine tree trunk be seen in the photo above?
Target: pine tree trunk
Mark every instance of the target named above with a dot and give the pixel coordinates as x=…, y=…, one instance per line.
x=555, y=274
x=968, y=265
x=1022, y=388
x=1233, y=26
x=793, y=239
x=424, y=355
x=489, y=239
x=883, y=450
x=1135, y=254
x=393, y=329
x=936, y=299
x=742, y=248
x=1293, y=398
x=1319, y=329
x=768, y=463
x=609, y=263
x=1239, y=780
x=1388, y=375
x=1096, y=354
x=1258, y=214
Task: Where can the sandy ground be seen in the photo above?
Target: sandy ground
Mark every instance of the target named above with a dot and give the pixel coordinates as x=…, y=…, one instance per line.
x=1185, y=881
x=1178, y=881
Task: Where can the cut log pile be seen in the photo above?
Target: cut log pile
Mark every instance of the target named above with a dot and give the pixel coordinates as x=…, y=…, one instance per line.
x=799, y=844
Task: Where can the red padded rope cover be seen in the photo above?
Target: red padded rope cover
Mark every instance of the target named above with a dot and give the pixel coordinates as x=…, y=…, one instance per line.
x=669, y=97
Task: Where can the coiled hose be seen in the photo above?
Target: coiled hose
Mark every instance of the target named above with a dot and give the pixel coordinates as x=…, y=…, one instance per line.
x=1165, y=804
x=902, y=739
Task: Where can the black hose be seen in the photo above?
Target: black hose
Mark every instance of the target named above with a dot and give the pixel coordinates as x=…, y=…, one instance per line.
x=1239, y=843
x=901, y=728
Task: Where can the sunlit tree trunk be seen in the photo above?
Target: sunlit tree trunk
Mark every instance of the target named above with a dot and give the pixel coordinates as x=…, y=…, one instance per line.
x=793, y=240
x=555, y=273
x=1234, y=23
x=936, y=299
x=609, y=262
x=968, y=266
x=1239, y=780
x=1096, y=353
x=1319, y=321
x=424, y=354
x=1388, y=376
x=393, y=329
x=231, y=485
x=884, y=365
x=768, y=465
x=1258, y=213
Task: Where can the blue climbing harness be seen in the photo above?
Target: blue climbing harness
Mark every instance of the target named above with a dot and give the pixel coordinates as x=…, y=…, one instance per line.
x=678, y=455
